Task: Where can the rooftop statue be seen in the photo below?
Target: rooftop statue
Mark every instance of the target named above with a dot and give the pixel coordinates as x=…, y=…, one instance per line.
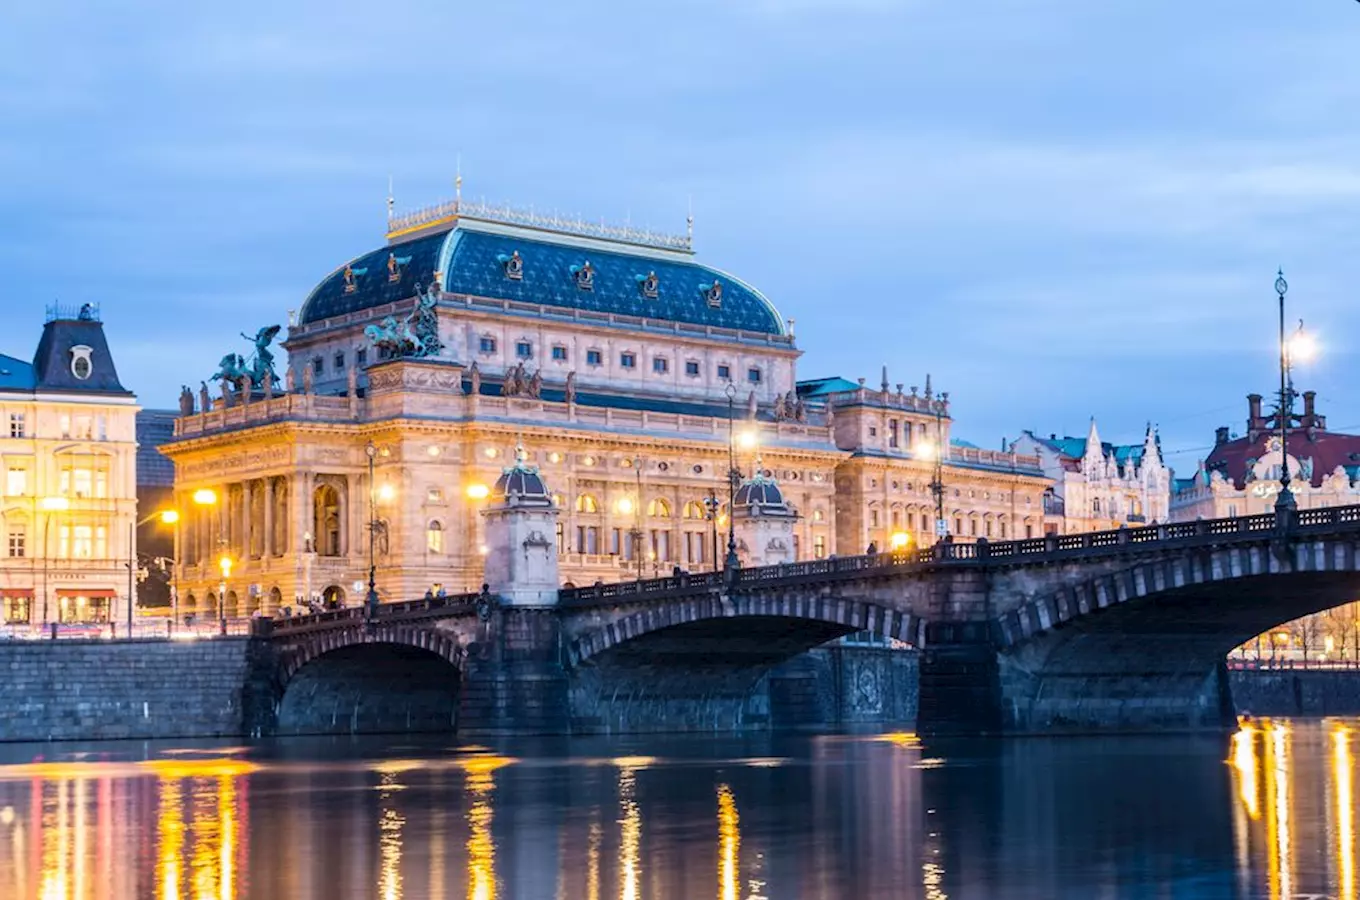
x=236, y=370
x=415, y=336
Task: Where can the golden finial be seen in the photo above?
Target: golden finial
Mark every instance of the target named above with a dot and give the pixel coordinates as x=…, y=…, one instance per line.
x=391, y=200
x=458, y=181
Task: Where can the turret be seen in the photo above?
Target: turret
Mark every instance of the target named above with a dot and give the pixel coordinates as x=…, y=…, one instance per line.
x=521, y=562
x=763, y=521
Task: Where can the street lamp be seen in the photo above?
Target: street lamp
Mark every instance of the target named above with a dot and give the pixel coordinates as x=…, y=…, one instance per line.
x=731, y=563
x=223, y=563
x=937, y=452
x=1284, y=501
x=899, y=541
x=371, y=600
x=51, y=506
x=165, y=517
x=711, y=513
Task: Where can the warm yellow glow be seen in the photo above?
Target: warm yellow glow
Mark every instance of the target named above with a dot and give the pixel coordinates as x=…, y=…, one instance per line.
x=729, y=845
x=386, y=492
x=925, y=450
x=481, y=845
x=747, y=439
x=226, y=815
x=169, y=516
x=596, y=836
x=205, y=496
x=478, y=491
x=1343, y=773
x=1303, y=347
x=170, y=837
x=390, y=823
x=491, y=452
x=1248, y=772
x=483, y=550
x=900, y=540
x=225, y=565
x=1278, y=836
x=630, y=836
x=55, y=504
x=625, y=505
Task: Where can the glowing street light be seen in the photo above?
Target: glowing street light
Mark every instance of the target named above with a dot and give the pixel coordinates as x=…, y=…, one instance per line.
x=1303, y=346
x=899, y=540
x=386, y=493
x=925, y=450
x=205, y=496
x=169, y=516
x=478, y=491
x=625, y=505
x=747, y=440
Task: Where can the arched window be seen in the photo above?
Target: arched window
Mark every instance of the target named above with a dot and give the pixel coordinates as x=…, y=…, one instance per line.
x=585, y=503
x=659, y=509
x=693, y=510
x=1095, y=507
x=434, y=537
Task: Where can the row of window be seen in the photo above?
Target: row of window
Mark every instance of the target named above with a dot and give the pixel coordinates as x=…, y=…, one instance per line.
x=70, y=610
x=73, y=427
x=627, y=360
x=73, y=542
x=338, y=361
x=74, y=482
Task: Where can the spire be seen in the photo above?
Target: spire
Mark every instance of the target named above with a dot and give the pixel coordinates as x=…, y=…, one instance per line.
x=929, y=393
x=1093, y=447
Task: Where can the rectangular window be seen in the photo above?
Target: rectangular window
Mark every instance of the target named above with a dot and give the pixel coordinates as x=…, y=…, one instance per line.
x=339, y=362
x=615, y=541
x=892, y=432
x=660, y=366
x=82, y=542
x=361, y=357
x=753, y=375
x=958, y=526
x=16, y=425
x=84, y=426
x=692, y=369
x=628, y=360
x=16, y=481
x=101, y=428
x=873, y=518
x=725, y=372
x=524, y=350
x=65, y=422
x=487, y=345
x=819, y=546
x=318, y=366
x=561, y=540
x=873, y=431
x=580, y=539
x=434, y=538
x=434, y=495
x=594, y=357
x=17, y=610
x=559, y=354
x=1029, y=532
x=17, y=544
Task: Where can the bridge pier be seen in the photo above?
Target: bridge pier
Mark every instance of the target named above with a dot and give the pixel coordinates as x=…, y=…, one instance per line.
x=513, y=678
x=960, y=686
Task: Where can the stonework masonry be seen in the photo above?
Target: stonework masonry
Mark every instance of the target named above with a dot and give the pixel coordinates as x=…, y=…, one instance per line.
x=100, y=690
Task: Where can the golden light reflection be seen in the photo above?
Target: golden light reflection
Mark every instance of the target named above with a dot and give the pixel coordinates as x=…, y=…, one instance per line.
x=630, y=835
x=729, y=844
x=906, y=740
x=1245, y=765
x=1343, y=773
x=205, y=863
x=1278, y=823
x=169, y=837
x=481, y=845
x=56, y=845
x=593, y=862
x=390, y=823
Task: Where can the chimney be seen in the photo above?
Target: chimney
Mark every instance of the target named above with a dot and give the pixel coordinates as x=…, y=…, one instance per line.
x=1309, y=400
x=1254, y=412
x=1221, y=435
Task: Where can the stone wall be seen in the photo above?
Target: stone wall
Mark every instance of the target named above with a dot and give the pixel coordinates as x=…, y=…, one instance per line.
x=1296, y=693
x=94, y=690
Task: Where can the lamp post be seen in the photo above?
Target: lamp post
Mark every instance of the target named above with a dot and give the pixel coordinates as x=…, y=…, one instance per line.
x=731, y=563
x=51, y=506
x=637, y=518
x=711, y=512
x=1284, y=501
x=224, y=563
x=371, y=599
x=937, y=478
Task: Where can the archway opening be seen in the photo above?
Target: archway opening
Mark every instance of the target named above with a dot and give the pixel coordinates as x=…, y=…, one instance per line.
x=333, y=597
x=371, y=689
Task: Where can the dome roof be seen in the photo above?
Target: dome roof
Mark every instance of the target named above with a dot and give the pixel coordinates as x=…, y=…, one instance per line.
x=521, y=485
x=487, y=259
x=760, y=495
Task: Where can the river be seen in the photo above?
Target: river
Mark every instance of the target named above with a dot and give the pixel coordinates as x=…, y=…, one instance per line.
x=1270, y=813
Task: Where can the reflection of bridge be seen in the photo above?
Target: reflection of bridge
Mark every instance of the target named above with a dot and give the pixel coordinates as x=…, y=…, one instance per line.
x=1122, y=629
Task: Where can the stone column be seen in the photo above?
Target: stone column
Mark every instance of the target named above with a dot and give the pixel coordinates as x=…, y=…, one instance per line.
x=343, y=494
x=267, y=545
x=245, y=520
x=223, y=520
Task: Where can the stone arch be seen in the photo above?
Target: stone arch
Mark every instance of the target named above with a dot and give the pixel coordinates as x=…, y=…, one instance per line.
x=440, y=643
x=327, y=518
x=275, y=601
x=253, y=600
x=333, y=596
x=189, y=606
x=231, y=610
x=852, y=614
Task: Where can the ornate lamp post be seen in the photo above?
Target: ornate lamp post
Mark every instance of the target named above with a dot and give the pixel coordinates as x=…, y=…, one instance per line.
x=711, y=513
x=1285, y=501
x=225, y=564
x=731, y=563
x=937, y=476
x=371, y=599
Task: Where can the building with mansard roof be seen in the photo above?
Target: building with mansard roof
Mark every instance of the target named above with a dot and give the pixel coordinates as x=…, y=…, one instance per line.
x=1098, y=485
x=69, y=493
x=634, y=375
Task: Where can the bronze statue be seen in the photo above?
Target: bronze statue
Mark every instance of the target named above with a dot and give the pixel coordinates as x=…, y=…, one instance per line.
x=203, y=402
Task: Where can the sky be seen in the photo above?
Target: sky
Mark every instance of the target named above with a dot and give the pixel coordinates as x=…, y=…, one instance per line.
x=1060, y=209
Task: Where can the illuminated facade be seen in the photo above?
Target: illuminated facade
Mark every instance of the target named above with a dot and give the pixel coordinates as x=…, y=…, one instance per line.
x=68, y=460
x=1101, y=486
x=635, y=378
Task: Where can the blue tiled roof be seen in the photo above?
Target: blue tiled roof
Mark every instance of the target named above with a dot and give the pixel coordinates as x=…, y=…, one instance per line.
x=816, y=387
x=16, y=375
x=472, y=262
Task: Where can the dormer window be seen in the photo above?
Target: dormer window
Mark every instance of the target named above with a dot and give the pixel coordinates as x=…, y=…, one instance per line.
x=81, y=366
x=712, y=293
x=649, y=285
x=512, y=265
x=584, y=275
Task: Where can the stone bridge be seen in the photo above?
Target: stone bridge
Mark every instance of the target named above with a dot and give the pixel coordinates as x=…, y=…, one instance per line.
x=1117, y=630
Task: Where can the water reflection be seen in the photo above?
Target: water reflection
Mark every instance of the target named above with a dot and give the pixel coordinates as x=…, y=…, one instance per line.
x=823, y=818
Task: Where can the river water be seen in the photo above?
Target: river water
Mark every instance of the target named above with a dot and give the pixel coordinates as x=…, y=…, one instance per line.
x=1270, y=813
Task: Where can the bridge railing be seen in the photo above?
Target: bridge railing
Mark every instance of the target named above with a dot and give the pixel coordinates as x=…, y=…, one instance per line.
x=405, y=610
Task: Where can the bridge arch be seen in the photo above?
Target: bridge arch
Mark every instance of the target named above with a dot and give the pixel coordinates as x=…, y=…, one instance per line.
x=387, y=678
x=836, y=615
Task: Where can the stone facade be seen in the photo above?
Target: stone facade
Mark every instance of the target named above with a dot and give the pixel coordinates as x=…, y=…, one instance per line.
x=1099, y=486
x=68, y=497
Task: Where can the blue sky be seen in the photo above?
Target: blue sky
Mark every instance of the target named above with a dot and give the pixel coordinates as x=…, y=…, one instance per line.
x=1059, y=208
